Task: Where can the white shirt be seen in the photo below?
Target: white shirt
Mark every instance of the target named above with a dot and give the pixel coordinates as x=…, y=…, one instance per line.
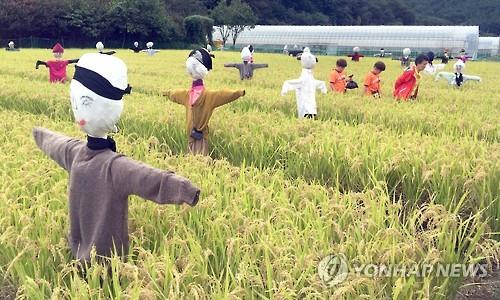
x=305, y=90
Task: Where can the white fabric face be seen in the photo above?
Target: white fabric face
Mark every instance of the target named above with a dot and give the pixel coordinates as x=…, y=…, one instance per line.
x=149, y=44
x=459, y=66
x=307, y=60
x=246, y=54
x=195, y=68
x=95, y=114
x=11, y=44
x=136, y=44
x=99, y=46
x=355, y=49
x=406, y=51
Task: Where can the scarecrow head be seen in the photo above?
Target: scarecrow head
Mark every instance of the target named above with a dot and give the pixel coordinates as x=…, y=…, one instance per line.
x=199, y=62
x=97, y=89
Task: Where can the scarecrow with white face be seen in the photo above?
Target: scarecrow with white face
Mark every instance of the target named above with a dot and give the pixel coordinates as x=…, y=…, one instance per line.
x=150, y=51
x=11, y=47
x=458, y=78
x=355, y=56
x=405, y=59
x=246, y=68
x=100, y=179
x=136, y=48
x=431, y=67
x=305, y=86
x=200, y=103
x=100, y=47
x=57, y=66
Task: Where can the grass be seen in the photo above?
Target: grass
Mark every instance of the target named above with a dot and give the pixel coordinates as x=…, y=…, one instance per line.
x=380, y=181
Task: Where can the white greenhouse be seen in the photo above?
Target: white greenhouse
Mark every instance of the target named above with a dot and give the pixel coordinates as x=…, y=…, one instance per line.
x=339, y=40
x=489, y=46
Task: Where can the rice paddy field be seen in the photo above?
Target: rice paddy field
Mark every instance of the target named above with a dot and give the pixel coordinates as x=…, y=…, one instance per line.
x=378, y=181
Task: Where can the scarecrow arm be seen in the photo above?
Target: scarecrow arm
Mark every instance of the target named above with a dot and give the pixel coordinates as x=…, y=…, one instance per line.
x=39, y=62
x=58, y=147
x=163, y=187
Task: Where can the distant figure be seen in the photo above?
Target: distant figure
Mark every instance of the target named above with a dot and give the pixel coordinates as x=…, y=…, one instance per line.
x=136, y=47
x=338, y=79
x=445, y=57
x=11, y=47
x=246, y=69
x=305, y=87
x=57, y=67
x=100, y=47
x=372, y=80
x=382, y=52
x=463, y=56
x=406, y=86
x=458, y=78
x=432, y=68
x=150, y=51
x=355, y=56
x=209, y=48
x=285, y=50
x=405, y=59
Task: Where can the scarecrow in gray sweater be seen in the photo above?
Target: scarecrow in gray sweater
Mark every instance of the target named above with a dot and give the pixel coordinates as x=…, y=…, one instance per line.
x=100, y=179
x=246, y=68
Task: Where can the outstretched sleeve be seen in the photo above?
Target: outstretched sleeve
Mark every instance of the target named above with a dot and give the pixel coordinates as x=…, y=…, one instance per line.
x=73, y=61
x=58, y=147
x=177, y=96
x=290, y=85
x=225, y=96
x=39, y=62
x=320, y=85
x=259, y=66
x=232, y=66
x=162, y=187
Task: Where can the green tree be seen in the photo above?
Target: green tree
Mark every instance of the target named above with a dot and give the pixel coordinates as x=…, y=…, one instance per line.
x=232, y=18
x=198, y=29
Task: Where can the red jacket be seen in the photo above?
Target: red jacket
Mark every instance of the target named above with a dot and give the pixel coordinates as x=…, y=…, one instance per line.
x=406, y=85
x=356, y=56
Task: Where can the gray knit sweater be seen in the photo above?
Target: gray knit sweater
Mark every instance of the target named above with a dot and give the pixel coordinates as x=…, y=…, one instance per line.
x=100, y=182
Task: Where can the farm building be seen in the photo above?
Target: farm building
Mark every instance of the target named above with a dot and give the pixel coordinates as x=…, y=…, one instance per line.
x=489, y=46
x=339, y=40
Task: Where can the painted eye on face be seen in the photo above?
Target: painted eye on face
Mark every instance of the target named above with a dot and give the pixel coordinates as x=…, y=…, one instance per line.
x=86, y=101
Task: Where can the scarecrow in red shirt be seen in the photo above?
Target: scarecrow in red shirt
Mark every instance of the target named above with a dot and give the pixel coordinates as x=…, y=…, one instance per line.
x=57, y=66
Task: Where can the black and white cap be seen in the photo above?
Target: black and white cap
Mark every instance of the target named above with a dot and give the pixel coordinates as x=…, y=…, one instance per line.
x=203, y=56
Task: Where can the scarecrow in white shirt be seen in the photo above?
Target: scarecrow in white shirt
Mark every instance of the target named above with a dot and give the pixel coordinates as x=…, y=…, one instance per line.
x=150, y=51
x=458, y=78
x=305, y=86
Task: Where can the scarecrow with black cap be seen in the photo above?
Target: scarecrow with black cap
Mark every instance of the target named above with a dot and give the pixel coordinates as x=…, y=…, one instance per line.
x=246, y=68
x=100, y=179
x=57, y=66
x=136, y=47
x=200, y=103
x=100, y=47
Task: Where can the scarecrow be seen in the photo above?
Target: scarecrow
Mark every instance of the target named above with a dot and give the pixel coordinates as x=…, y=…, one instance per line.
x=100, y=179
x=57, y=66
x=200, y=102
x=305, y=86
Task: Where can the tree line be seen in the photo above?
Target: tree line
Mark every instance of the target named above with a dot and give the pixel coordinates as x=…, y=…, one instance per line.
x=178, y=23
